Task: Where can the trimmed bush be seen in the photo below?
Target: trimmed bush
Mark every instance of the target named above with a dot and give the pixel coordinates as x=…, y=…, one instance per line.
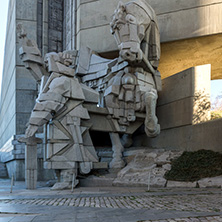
x=192, y=166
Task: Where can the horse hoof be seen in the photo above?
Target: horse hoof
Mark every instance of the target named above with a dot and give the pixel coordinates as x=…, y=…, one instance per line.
x=154, y=132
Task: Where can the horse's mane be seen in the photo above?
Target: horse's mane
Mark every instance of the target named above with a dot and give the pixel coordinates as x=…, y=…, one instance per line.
x=146, y=7
x=154, y=39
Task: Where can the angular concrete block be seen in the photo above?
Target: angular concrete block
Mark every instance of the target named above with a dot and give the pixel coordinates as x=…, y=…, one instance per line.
x=189, y=138
x=63, y=165
x=79, y=112
x=176, y=114
x=185, y=98
x=91, y=95
x=185, y=84
x=55, y=133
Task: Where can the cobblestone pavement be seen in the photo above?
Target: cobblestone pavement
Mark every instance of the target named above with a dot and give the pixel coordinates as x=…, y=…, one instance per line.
x=111, y=204
x=190, y=219
x=188, y=202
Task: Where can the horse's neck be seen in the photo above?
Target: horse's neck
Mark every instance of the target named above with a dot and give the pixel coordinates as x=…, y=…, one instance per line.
x=145, y=44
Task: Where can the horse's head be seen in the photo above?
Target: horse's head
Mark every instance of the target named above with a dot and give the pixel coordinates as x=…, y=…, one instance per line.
x=128, y=26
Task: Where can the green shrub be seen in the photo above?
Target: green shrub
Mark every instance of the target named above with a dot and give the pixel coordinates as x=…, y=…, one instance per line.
x=217, y=114
x=192, y=166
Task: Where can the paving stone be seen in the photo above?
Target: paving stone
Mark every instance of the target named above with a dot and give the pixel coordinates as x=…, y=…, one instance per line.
x=112, y=204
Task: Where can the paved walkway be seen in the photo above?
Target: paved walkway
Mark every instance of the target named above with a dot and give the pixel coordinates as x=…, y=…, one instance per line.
x=116, y=204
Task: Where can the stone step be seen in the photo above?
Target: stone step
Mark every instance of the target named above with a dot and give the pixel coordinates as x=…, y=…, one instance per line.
x=94, y=181
x=104, y=154
x=3, y=170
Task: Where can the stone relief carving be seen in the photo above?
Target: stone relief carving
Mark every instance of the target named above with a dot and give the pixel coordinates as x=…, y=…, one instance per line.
x=81, y=91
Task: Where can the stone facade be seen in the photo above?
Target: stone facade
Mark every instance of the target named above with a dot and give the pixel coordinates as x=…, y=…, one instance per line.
x=19, y=89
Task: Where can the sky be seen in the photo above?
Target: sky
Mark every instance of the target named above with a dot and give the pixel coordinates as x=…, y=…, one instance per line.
x=216, y=85
x=3, y=20
x=216, y=88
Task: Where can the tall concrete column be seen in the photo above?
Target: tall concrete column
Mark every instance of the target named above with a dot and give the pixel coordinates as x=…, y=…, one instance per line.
x=30, y=161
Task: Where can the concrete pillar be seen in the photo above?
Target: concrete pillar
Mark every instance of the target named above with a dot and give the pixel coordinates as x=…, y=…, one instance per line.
x=117, y=148
x=30, y=161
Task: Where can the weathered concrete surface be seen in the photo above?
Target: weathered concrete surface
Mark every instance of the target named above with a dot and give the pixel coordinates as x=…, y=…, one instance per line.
x=176, y=18
x=183, y=54
x=185, y=98
x=205, y=135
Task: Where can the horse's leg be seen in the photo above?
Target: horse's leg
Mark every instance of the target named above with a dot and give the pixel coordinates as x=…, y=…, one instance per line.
x=127, y=140
x=152, y=128
x=117, y=161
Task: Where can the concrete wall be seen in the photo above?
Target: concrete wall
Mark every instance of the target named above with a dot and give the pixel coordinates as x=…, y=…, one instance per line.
x=8, y=92
x=205, y=135
x=185, y=98
x=19, y=89
x=183, y=110
x=13, y=155
x=43, y=22
x=179, y=21
x=25, y=86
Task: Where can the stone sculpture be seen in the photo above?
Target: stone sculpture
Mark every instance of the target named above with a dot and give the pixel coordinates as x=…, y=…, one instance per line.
x=80, y=91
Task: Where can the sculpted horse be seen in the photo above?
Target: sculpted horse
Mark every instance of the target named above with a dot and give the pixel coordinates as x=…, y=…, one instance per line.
x=135, y=29
x=80, y=91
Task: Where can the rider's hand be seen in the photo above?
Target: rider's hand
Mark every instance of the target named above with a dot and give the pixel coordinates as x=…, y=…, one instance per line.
x=31, y=130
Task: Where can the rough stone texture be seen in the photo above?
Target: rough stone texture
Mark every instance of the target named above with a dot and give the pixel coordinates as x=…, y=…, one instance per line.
x=155, y=163
x=179, y=55
x=210, y=182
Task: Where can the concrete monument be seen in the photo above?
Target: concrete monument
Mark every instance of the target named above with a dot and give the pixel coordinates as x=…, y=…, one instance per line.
x=80, y=91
